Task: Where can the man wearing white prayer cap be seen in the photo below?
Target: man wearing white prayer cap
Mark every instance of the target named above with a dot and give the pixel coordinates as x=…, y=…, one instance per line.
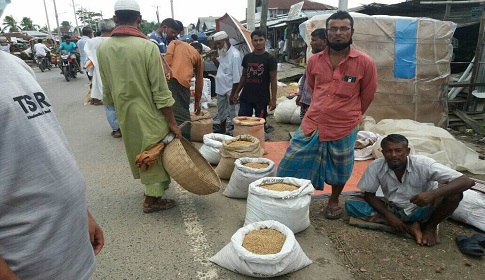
x=127, y=5
x=229, y=69
x=134, y=83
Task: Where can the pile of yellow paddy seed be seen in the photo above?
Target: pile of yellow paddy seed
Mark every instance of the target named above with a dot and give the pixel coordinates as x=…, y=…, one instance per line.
x=238, y=143
x=279, y=187
x=256, y=165
x=264, y=241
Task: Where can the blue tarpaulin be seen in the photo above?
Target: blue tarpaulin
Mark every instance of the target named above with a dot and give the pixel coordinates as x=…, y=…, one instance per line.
x=405, y=48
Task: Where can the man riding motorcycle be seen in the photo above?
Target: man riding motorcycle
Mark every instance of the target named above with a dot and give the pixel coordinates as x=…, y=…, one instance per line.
x=42, y=51
x=71, y=47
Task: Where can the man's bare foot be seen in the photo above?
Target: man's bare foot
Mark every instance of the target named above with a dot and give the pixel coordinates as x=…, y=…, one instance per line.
x=430, y=236
x=414, y=229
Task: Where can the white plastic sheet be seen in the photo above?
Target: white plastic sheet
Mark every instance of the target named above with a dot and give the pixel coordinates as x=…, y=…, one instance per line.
x=434, y=142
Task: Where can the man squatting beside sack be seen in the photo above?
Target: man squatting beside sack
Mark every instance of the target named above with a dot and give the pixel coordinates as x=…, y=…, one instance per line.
x=419, y=193
x=342, y=81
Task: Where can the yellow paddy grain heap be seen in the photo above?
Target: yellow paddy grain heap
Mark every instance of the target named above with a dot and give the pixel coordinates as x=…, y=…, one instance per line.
x=256, y=165
x=264, y=241
x=279, y=187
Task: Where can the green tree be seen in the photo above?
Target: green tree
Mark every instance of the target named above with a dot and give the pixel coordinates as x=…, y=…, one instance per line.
x=27, y=24
x=65, y=24
x=147, y=27
x=11, y=24
x=89, y=18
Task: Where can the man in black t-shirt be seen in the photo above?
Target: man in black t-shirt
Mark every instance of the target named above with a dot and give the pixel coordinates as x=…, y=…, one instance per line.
x=259, y=72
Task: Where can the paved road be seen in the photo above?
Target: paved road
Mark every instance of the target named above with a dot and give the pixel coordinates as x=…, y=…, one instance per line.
x=172, y=244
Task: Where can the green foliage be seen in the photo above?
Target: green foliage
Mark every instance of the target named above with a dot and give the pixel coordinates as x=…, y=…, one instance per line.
x=65, y=24
x=28, y=25
x=11, y=24
x=89, y=18
x=148, y=27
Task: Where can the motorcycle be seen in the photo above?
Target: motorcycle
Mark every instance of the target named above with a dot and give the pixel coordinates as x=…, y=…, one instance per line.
x=43, y=63
x=69, y=68
x=53, y=57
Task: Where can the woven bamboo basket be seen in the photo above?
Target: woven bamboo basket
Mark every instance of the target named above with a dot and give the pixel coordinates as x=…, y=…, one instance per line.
x=189, y=168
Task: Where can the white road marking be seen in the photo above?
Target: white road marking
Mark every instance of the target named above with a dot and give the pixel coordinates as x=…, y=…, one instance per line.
x=199, y=246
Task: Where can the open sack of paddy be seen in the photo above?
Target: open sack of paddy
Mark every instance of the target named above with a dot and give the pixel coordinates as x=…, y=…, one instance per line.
x=286, y=200
x=211, y=149
x=189, y=168
x=250, y=125
x=201, y=125
x=262, y=249
x=238, y=147
x=246, y=171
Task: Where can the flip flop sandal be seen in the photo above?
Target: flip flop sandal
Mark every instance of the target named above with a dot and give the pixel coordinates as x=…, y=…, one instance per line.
x=334, y=213
x=159, y=205
x=480, y=238
x=469, y=246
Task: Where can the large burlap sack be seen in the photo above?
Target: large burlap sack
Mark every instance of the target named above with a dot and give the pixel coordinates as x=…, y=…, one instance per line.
x=471, y=209
x=291, y=208
x=243, y=175
x=229, y=154
x=210, y=150
x=201, y=125
x=250, y=125
x=236, y=258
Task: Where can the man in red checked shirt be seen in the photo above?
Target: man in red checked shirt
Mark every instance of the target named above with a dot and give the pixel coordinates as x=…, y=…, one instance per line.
x=342, y=81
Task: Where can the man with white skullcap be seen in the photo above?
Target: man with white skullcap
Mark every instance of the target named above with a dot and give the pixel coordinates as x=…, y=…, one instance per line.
x=46, y=231
x=134, y=82
x=228, y=63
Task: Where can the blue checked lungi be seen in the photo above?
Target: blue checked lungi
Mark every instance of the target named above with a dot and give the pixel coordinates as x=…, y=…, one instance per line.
x=328, y=162
x=357, y=207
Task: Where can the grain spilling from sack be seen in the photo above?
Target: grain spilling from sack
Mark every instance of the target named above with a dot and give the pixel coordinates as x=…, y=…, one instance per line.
x=256, y=165
x=279, y=187
x=239, y=143
x=264, y=241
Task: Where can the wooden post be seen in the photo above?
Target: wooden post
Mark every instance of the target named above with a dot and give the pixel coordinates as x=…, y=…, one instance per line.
x=478, y=60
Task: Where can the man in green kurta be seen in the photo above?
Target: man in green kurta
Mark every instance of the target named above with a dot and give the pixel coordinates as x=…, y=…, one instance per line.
x=134, y=83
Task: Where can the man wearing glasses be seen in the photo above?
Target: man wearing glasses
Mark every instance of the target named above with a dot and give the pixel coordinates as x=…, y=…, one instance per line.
x=342, y=81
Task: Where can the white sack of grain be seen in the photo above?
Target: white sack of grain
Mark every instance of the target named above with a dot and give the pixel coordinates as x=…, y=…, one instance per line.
x=243, y=175
x=210, y=150
x=236, y=258
x=291, y=208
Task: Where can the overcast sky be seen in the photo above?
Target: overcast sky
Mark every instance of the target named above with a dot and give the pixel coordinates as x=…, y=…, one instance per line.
x=187, y=11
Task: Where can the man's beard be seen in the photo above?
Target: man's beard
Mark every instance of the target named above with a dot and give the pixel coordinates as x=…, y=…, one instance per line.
x=339, y=46
x=316, y=50
x=396, y=166
x=223, y=51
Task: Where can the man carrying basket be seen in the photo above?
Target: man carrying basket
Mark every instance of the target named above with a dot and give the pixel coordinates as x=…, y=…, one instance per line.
x=137, y=88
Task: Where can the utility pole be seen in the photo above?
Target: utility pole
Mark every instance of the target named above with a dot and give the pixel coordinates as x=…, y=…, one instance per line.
x=264, y=17
x=48, y=24
x=171, y=7
x=343, y=5
x=57, y=20
x=250, y=14
x=158, y=16
x=75, y=17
